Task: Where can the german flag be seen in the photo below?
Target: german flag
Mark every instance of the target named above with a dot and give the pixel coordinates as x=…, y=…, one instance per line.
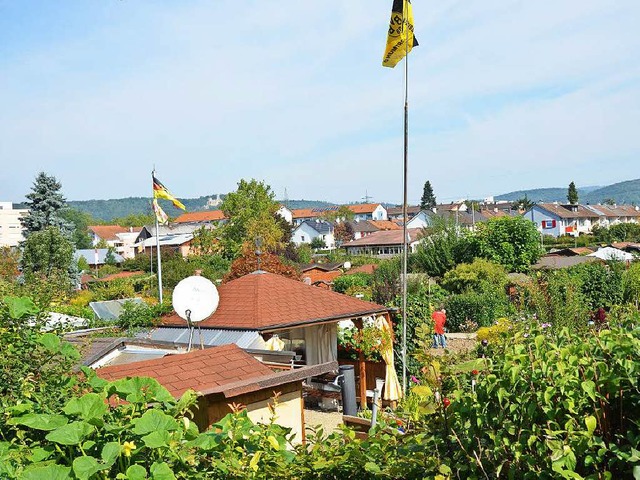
x=160, y=191
x=400, y=40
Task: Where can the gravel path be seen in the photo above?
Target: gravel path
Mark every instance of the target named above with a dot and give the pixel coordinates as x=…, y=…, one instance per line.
x=329, y=421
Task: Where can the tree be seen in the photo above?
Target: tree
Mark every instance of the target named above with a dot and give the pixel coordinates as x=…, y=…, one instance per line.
x=318, y=243
x=513, y=242
x=443, y=246
x=80, y=221
x=45, y=206
x=524, y=203
x=205, y=241
x=428, y=200
x=9, y=261
x=339, y=215
x=251, y=211
x=268, y=262
x=46, y=253
x=343, y=232
x=572, y=194
x=110, y=257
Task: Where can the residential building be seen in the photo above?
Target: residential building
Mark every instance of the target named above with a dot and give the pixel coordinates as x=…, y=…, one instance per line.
x=396, y=213
x=309, y=230
x=362, y=228
x=120, y=238
x=11, y=229
x=555, y=219
x=613, y=214
x=285, y=213
x=368, y=211
x=383, y=243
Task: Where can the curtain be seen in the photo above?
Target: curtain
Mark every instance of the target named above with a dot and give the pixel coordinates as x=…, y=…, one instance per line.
x=392, y=389
x=321, y=342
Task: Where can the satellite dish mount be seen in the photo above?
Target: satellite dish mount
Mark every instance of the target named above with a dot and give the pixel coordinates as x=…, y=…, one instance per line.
x=195, y=298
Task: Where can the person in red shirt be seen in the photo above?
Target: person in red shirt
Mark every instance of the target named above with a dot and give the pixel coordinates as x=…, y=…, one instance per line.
x=439, y=318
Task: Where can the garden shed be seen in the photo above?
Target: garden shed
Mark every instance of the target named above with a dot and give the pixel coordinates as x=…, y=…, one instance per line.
x=304, y=317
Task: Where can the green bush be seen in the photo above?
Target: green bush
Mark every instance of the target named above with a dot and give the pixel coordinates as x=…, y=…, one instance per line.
x=344, y=282
x=481, y=308
x=479, y=276
x=601, y=284
x=141, y=315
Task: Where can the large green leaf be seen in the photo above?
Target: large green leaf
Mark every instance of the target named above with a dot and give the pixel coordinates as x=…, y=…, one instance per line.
x=84, y=467
x=590, y=422
x=48, y=472
x=157, y=439
x=110, y=453
x=40, y=421
x=140, y=390
x=70, y=434
x=154, y=420
x=136, y=472
x=90, y=406
x=20, y=307
x=590, y=389
x=161, y=471
x=50, y=341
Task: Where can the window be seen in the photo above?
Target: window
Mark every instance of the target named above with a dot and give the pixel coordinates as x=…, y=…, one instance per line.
x=302, y=237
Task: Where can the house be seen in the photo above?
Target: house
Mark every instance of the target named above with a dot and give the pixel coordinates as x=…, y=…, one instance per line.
x=309, y=230
x=179, y=243
x=149, y=231
x=300, y=215
x=385, y=225
x=396, y=213
x=422, y=219
x=223, y=376
x=304, y=317
x=96, y=257
x=209, y=217
x=11, y=229
x=362, y=228
x=368, y=211
x=613, y=214
x=285, y=213
x=555, y=219
x=383, y=243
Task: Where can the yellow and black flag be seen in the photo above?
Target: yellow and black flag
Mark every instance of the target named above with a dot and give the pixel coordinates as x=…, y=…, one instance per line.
x=160, y=191
x=400, y=40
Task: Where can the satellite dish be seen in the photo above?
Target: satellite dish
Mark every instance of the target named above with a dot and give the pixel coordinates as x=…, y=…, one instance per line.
x=195, y=298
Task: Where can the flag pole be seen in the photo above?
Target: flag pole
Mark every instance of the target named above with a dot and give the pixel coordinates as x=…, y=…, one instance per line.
x=158, y=247
x=404, y=201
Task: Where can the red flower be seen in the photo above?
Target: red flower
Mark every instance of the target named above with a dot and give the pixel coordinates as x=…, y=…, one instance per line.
x=446, y=402
x=474, y=372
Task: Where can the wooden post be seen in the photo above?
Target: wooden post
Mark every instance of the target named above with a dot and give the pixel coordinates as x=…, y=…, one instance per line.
x=362, y=366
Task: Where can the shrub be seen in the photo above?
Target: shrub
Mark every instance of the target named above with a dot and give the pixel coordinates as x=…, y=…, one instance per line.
x=481, y=308
x=601, y=284
x=344, y=282
x=495, y=332
x=481, y=275
x=141, y=315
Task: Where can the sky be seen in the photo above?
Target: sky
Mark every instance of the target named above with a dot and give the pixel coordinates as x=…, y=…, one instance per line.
x=503, y=95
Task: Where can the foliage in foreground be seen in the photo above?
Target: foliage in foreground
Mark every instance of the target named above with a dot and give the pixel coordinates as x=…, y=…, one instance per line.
x=544, y=403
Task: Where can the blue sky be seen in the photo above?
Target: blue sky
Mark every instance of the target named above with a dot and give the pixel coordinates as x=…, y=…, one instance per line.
x=504, y=95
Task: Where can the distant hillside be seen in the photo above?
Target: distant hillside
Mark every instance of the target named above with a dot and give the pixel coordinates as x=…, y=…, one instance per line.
x=106, y=210
x=622, y=192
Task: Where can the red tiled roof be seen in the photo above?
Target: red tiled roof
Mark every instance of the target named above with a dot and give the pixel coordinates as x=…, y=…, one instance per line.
x=368, y=268
x=385, y=225
x=317, y=275
x=201, y=370
x=108, y=232
x=113, y=276
x=363, y=207
x=384, y=237
x=208, y=216
x=305, y=213
x=265, y=301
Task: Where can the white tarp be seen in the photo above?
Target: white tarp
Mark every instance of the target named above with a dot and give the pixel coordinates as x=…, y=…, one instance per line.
x=321, y=342
x=610, y=253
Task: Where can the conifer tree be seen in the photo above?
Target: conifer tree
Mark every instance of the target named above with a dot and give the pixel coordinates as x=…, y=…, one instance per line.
x=572, y=194
x=45, y=206
x=428, y=200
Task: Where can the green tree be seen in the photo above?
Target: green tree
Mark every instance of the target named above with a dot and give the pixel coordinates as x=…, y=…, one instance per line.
x=251, y=211
x=524, y=203
x=481, y=275
x=340, y=214
x=45, y=204
x=428, y=200
x=46, y=253
x=134, y=220
x=572, y=194
x=443, y=246
x=9, y=262
x=110, y=257
x=205, y=241
x=318, y=243
x=513, y=242
x=80, y=221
